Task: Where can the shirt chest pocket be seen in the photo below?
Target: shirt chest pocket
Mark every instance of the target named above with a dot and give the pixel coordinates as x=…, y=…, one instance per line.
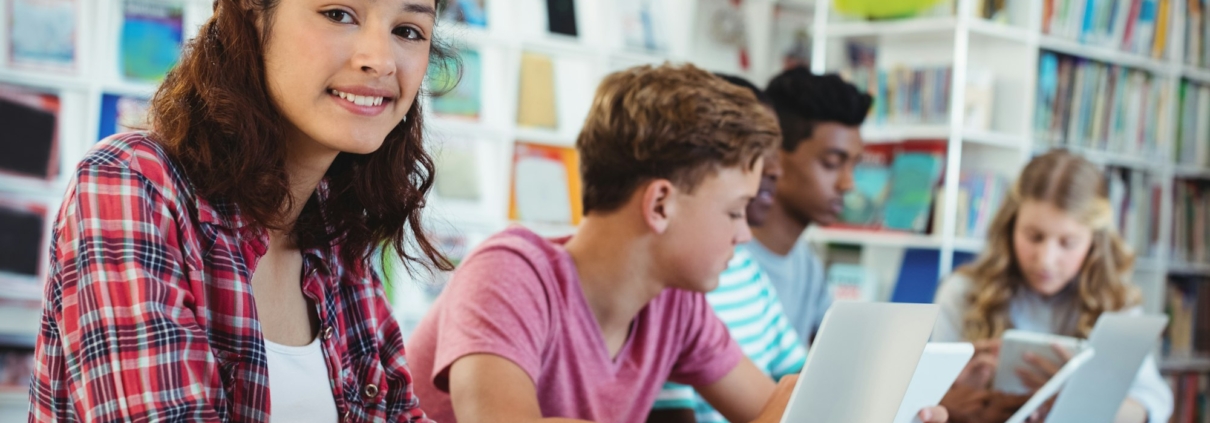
x=367, y=388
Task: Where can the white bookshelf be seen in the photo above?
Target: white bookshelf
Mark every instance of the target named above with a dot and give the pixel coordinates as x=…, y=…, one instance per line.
x=1011, y=51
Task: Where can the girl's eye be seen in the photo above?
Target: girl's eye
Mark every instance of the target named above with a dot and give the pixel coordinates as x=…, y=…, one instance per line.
x=736, y=216
x=408, y=32
x=337, y=15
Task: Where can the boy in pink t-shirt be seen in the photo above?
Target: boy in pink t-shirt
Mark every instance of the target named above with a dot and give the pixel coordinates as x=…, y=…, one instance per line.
x=588, y=328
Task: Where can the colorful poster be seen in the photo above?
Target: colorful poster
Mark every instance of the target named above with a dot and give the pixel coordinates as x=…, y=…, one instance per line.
x=546, y=185
x=458, y=97
x=42, y=34
x=151, y=38
x=122, y=114
x=469, y=12
x=30, y=122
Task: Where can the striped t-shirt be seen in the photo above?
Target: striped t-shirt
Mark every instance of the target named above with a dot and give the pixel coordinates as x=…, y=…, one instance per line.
x=747, y=303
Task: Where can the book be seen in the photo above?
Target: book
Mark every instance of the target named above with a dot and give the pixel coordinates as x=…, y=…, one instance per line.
x=642, y=27
x=151, y=38
x=915, y=173
x=1140, y=27
x=980, y=96
x=851, y=282
x=561, y=17
x=30, y=119
x=457, y=175
x=468, y=12
x=459, y=97
x=43, y=34
x=121, y=113
x=536, y=99
x=863, y=205
x=546, y=184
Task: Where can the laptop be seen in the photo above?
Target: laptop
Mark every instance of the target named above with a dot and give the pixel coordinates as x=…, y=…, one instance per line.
x=1097, y=390
x=861, y=362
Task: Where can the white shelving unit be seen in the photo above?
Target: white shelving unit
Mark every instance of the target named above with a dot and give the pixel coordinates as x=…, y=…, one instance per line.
x=1010, y=50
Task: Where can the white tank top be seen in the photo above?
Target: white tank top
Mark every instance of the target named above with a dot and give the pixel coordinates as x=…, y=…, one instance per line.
x=299, y=390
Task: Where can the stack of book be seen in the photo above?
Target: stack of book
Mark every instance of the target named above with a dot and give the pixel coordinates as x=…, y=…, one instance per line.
x=1135, y=197
x=1197, y=34
x=1135, y=26
x=1189, y=229
x=1094, y=105
x=1188, y=336
x=980, y=194
x=1193, y=129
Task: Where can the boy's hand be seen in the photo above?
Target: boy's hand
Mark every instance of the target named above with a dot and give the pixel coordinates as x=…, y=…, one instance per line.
x=982, y=367
x=1043, y=369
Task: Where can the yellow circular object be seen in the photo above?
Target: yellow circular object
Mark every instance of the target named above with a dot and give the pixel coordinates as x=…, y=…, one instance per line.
x=883, y=9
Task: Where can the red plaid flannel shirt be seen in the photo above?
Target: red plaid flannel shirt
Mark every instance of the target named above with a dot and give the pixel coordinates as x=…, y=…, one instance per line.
x=149, y=314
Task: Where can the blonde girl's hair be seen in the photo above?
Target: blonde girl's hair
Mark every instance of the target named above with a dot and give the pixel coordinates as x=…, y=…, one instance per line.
x=1078, y=187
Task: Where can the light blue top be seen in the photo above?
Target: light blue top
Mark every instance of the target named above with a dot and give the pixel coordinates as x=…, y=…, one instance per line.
x=801, y=285
x=1033, y=312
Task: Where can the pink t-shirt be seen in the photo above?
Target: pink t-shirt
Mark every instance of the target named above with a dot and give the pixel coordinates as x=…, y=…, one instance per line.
x=518, y=296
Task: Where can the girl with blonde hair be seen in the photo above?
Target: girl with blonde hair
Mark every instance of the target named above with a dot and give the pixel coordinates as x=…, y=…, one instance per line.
x=1054, y=263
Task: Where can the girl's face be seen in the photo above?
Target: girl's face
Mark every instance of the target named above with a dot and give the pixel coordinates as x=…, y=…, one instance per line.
x=1050, y=246
x=344, y=73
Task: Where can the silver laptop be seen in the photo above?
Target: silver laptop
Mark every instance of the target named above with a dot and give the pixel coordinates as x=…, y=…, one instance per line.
x=1097, y=389
x=861, y=363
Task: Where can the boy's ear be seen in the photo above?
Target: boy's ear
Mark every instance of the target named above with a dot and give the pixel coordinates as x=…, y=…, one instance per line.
x=657, y=205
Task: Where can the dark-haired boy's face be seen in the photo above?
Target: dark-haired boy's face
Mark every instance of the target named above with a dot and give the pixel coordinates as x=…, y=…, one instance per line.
x=817, y=174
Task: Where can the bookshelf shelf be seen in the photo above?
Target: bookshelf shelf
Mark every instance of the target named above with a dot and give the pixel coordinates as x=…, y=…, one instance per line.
x=1134, y=161
x=1185, y=365
x=995, y=139
x=1186, y=268
x=17, y=340
x=1147, y=264
x=559, y=46
x=1105, y=54
x=998, y=30
x=43, y=80
x=891, y=133
x=1197, y=74
x=1185, y=171
x=130, y=88
x=885, y=239
x=544, y=136
x=933, y=25
x=970, y=245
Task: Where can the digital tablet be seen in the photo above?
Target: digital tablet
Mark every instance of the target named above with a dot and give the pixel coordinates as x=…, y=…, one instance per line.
x=1052, y=386
x=1014, y=345
x=939, y=366
x=861, y=362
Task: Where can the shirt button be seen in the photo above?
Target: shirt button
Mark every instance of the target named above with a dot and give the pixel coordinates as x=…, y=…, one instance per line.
x=327, y=333
x=371, y=391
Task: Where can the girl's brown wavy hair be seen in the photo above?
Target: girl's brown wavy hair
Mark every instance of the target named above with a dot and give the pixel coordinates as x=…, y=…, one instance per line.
x=215, y=118
x=1078, y=187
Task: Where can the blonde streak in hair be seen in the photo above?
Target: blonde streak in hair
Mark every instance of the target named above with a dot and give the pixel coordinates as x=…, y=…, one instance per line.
x=987, y=316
